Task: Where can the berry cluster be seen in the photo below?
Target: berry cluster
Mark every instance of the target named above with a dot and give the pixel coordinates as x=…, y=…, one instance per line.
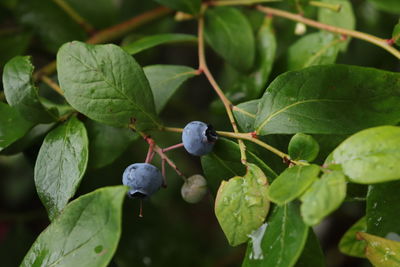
x=145, y=179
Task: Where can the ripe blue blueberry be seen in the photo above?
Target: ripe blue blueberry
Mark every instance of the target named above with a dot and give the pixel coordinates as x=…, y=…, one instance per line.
x=198, y=138
x=143, y=179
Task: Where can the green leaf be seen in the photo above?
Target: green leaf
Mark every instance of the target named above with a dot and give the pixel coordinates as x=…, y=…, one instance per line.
x=343, y=19
x=370, y=156
x=12, y=125
x=266, y=48
x=12, y=45
x=381, y=252
x=222, y=28
x=245, y=114
x=35, y=135
x=323, y=197
x=291, y=183
x=188, y=6
x=241, y=204
x=312, y=255
x=104, y=14
x=106, y=84
x=241, y=86
x=107, y=143
x=60, y=165
x=155, y=40
x=349, y=244
x=165, y=80
x=319, y=48
x=224, y=162
x=303, y=147
x=85, y=234
x=283, y=241
x=308, y=101
x=392, y=6
x=50, y=22
x=383, y=209
x=20, y=91
x=396, y=34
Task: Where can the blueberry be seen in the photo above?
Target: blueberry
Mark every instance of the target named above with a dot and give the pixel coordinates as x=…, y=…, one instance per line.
x=198, y=138
x=194, y=189
x=143, y=179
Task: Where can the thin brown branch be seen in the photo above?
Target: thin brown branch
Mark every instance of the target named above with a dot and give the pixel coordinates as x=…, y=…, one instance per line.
x=383, y=43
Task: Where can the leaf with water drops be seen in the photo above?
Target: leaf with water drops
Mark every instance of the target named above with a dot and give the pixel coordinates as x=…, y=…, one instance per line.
x=383, y=210
x=283, y=241
x=370, y=156
x=349, y=244
x=381, y=252
x=242, y=205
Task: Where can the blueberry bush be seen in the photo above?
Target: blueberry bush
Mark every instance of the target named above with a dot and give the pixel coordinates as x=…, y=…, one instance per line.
x=200, y=133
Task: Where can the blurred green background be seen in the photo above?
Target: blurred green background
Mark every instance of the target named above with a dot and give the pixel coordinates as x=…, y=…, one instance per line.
x=172, y=232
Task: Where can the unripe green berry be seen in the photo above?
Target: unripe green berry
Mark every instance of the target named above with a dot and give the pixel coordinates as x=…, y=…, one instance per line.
x=194, y=189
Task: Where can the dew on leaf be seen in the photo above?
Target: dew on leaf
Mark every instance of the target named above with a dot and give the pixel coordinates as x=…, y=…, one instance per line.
x=256, y=238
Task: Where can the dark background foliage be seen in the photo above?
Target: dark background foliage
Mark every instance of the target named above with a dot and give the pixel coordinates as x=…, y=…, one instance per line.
x=172, y=232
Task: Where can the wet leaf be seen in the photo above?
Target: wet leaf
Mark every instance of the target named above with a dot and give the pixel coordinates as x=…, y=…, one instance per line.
x=241, y=204
x=283, y=241
x=371, y=155
x=60, y=165
x=349, y=244
x=381, y=252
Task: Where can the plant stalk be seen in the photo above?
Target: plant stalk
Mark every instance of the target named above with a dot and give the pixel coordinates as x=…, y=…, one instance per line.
x=383, y=43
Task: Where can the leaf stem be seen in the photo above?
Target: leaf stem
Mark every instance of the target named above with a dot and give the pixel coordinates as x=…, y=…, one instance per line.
x=346, y=32
x=112, y=33
x=249, y=137
x=75, y=16
x=159, y=151
x=52, y=85
x=227, y=104
x=333, y=7
x=239, y=2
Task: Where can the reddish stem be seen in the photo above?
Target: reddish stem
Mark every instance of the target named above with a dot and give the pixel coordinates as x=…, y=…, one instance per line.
x=172, y=147
x=164, y=174
x=150, y=152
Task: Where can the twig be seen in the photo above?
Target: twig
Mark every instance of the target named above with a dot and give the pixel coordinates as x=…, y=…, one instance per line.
x=74, y=15
x=249, y=137
x=52, y=85
x=228, y=105
x=159, y=151
x=172, y=147
x=112, y=33
x=333, y=7
x=239, y=2
x=383, y=43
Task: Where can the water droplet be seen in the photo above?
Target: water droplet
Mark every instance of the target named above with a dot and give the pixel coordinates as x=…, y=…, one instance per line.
x=227, y=200
x=253, y=200
x=256, y=238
